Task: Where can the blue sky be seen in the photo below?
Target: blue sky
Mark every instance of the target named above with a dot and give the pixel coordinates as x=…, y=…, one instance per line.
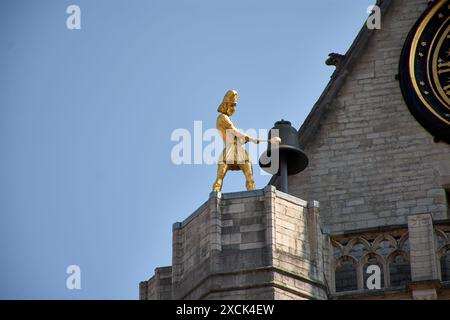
x=86, y=117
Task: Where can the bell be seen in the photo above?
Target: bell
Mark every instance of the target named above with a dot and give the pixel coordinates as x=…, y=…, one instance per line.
x=284, y=159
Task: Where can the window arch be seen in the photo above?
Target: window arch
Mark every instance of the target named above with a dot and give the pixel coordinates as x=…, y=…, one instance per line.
x=399, y=268
x=345, y=274
x=445, y=263
x=373, y=258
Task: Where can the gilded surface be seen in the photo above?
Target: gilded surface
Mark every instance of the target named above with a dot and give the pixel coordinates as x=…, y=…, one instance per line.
x=234, y=156
x=430, y=62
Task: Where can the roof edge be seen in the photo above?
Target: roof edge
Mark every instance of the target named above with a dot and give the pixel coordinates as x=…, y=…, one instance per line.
x=312, y=121
x=310, y=125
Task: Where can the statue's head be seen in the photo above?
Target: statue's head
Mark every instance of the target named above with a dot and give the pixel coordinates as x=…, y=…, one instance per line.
x=229, y=102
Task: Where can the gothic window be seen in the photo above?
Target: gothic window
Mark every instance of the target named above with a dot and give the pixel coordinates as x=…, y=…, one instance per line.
x=358, y=250
x=447, y=196
x=445, y=264
x=345, y=275
x=384, y=248
x=399, y=269
x=369, y=260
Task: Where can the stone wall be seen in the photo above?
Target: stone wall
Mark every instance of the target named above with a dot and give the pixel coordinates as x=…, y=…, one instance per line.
x=266, y=244
x=261, y=244
x=371, y=163
x=158, y=287
x=297, y=245
x=420, y=244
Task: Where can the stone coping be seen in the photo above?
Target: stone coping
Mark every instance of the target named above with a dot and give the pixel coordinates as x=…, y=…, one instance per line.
x=292, y=199
x=367, y=293
x=179, y=225
x=245, y=194
x=274, y=269
x=390, y=290
x=379, y=229
x=238, y=195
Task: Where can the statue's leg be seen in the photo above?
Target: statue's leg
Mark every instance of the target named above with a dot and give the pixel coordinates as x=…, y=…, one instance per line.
x=221, y=171
x=248, y=172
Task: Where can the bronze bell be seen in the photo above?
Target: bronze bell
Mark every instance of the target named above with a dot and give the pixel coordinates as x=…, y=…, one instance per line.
x=284, y=159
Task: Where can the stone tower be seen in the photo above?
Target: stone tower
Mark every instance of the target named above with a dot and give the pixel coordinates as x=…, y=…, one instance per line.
x=261, y=244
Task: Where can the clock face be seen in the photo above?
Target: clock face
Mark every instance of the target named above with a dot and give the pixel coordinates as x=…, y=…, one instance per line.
x=425, y=70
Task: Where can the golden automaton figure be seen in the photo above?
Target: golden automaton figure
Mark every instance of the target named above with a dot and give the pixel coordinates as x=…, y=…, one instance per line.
x=234, y=156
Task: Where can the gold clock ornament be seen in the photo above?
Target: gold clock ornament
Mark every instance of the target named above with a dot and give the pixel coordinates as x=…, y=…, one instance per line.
x=424, y=70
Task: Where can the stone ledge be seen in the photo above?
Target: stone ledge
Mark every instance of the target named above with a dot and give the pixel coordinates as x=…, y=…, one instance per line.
x=242, y=194
x=163, y=269
x=379, y=229
x=269, y=270
x=291, y=198
x=424, y=284
x=313, y=204
x=179, y=225
x=269, y=285
x=369, y=293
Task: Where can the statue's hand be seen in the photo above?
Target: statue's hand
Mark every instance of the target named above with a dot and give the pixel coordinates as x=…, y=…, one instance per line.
x=256, y=141
x=275, y=140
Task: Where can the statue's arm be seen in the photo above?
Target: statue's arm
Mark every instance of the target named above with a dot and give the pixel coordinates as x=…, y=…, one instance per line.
x=242, y=135
x=236, y=132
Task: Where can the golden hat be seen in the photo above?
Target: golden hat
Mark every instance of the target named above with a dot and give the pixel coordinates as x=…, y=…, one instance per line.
x=230, y=97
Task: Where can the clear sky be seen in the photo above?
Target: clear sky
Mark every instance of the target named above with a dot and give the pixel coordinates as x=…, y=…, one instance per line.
x=86, y=118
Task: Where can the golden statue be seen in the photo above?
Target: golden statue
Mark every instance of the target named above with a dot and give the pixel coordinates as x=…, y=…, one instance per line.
x=234, y=156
